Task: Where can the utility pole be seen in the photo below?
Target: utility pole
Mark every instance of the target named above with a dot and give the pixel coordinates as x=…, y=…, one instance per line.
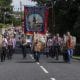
x=52, y=6
x=21, y=11
x=53, y=14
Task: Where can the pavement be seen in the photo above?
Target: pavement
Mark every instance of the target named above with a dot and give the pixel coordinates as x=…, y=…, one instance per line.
x=47, y=69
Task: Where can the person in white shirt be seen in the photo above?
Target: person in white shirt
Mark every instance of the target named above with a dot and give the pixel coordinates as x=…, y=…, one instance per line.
x=49, y=45
x=10, y=47
x=57, y=45
x=4, y=49
x=14, y=43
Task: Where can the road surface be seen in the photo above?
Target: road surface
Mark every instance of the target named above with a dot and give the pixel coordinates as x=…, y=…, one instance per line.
x=47, y=69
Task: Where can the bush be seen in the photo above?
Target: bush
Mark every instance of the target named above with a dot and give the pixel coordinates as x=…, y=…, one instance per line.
x=77, y=50
x=3, y=25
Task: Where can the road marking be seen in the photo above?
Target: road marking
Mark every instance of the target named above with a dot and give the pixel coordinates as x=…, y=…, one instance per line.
x=31, y=56
x=52, y=78
x=44, y=69
x=37, y=62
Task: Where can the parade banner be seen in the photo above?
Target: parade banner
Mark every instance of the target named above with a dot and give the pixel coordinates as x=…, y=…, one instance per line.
x=35, y=19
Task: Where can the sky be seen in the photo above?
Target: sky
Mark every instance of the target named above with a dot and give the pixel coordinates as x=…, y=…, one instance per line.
x=16, y=4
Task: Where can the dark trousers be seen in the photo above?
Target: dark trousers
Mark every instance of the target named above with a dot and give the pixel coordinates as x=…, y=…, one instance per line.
x=57, y=52
x=37, y=56
x=47, y=54
x=51, y=53
x=10, y=52
x=24, y=51
x=3, y=54
x=65, y=56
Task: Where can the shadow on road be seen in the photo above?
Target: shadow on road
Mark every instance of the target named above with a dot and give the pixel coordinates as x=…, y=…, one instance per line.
x=25, y=62
x=56, y=62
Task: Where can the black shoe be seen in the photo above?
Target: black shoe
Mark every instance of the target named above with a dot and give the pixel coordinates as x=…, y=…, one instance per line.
x=37, y=60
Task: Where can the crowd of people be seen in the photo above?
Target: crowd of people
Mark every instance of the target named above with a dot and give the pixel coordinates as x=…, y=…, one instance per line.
x=50, y=45
x=8, y=45
x=54, y=45
x=64, y=45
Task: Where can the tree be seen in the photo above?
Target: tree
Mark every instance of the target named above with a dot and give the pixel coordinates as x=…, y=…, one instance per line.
x=66, y=15
x=5, y=11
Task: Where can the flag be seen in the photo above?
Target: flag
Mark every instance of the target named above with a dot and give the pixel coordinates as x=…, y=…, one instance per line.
x=36, y=19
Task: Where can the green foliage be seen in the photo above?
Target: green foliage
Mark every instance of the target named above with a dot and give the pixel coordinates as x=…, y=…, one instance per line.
x=5, y=2
x=3, y=25
x=65, y=14
x=5, y=11
x=16, y=21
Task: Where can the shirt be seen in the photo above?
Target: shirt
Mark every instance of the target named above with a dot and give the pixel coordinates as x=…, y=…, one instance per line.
x=57, y=41
x=4, y=42
x=49, y=42
x=14, y=42
x=10, y=42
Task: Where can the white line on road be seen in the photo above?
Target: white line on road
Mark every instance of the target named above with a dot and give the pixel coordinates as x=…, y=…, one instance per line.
x=44, y=69
x=37, y=62
x=52, y=78
x=31, y=56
